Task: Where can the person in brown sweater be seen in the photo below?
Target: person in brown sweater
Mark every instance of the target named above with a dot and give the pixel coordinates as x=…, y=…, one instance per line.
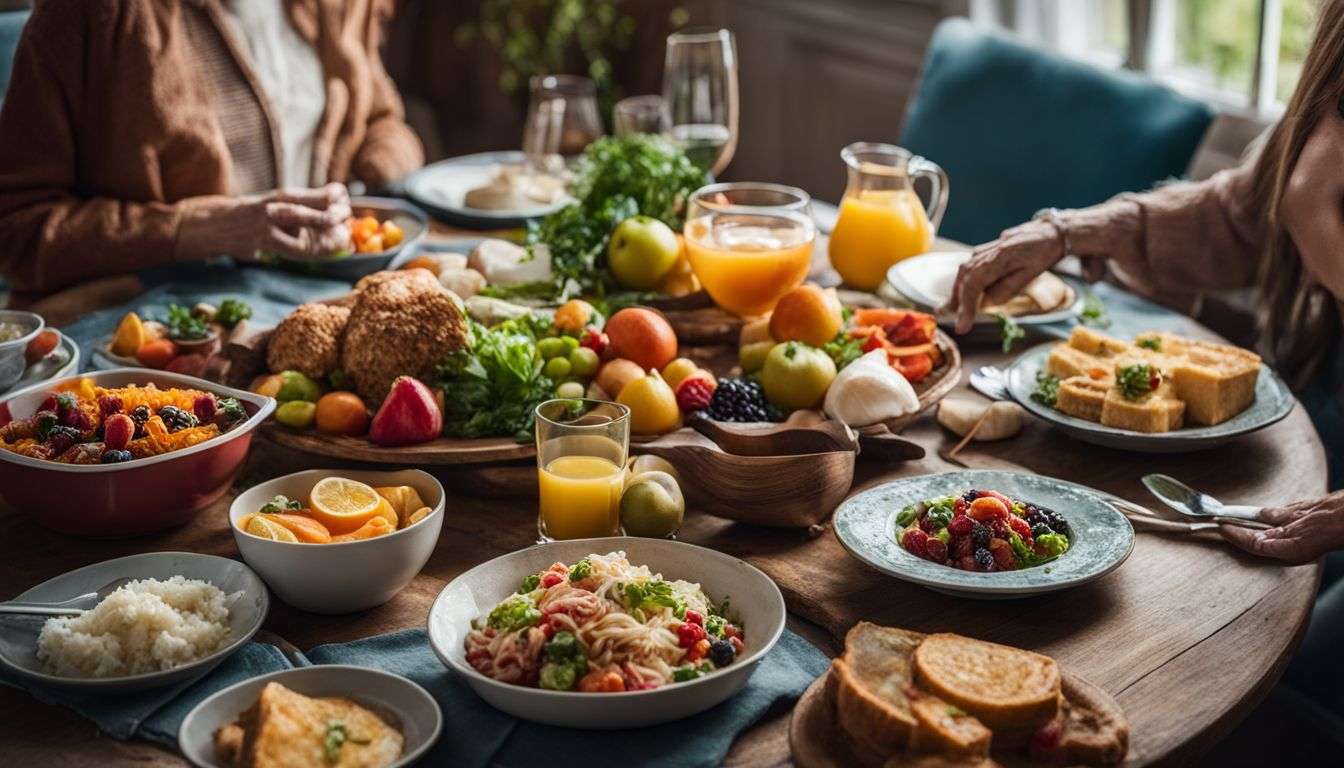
x=139, y=133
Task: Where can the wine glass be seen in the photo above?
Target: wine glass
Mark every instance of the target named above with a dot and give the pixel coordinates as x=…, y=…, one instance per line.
x=640, y=114
x=700, y=88
x=562, y=115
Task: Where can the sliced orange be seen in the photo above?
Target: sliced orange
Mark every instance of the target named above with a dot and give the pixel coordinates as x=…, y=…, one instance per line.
x=404, y=499
x=343, y=505
x=417, y=516
x=259, y=526
x=376, y=526
x=129, y=337
x=304, y=528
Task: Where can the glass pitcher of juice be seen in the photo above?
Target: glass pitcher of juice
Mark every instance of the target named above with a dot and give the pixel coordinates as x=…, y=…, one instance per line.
x=581, y=450
x=881, y=218
x=749, y=243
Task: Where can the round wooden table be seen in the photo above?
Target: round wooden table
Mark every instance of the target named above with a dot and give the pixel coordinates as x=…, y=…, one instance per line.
x=1188, y=635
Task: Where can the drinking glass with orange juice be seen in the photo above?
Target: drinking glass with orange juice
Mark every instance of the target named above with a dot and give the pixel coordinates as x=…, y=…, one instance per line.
x=749, y=243
x=881, y=218
x=582, y=446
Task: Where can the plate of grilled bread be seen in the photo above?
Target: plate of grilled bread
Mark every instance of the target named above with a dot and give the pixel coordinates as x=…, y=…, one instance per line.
x=901, y=699
x=1157, y=393
x=1056, y=534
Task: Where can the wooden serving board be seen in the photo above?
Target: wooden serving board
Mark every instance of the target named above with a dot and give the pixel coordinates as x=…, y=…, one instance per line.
x=443, y=451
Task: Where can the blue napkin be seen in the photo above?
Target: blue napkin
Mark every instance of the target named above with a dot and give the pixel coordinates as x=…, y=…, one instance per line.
x=474, y=733
x=271, y=293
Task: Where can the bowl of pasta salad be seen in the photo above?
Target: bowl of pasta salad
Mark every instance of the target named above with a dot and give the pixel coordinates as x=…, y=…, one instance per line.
x=607, y=633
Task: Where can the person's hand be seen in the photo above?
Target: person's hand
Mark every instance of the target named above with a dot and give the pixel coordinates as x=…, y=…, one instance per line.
x=302, y=224
x=1001, y=268
x=1302, y=532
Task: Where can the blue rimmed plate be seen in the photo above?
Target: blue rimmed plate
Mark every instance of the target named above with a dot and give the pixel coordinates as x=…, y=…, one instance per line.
x=1102, y=537
x=1273, y=401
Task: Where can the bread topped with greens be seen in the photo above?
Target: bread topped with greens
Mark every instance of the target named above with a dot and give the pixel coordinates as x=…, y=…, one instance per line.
x=902, y=698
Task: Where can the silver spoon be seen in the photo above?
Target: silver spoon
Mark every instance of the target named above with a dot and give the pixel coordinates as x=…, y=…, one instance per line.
x=988, y=380
x=72, y=607
x=1192, y=503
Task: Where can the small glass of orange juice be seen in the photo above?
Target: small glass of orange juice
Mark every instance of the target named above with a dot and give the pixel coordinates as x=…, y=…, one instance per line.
x=749, y=243
x=581, y=450
x=881, y=219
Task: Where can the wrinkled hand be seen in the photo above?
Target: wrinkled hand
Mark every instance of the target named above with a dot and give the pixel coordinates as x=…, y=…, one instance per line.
x=1303, y=531
x=1001, y=268
x=303, y=224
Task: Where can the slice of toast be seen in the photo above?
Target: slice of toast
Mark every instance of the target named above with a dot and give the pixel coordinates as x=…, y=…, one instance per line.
x=873, y=681
x=1082, y=397
x=1065, y=361
x=1011, y=691
x=1216, y=381
x=1096, y=343
x=944, y=728
x=1157, y=411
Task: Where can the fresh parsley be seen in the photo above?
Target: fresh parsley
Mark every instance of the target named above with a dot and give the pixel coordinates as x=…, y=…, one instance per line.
x=1135, y=381
x=336, y=737
x=184, y=325
x=1152, y=342
x=497, y=383
x=1009, y=331
x=1047, y=389
x=1094, y=312
x=232, y=312
x=844, y=349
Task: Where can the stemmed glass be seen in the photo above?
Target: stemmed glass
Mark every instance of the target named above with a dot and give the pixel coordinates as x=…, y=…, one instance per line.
x=640, y=114
x=562, y=118
x=700, y=88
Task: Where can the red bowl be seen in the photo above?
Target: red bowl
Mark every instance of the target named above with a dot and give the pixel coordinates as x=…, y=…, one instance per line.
x=136, y=497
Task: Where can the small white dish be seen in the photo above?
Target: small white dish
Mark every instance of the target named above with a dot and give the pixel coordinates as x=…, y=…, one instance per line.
x=63, y=361
x=347, y=576
x=12, y=352
x=926, y=281
x=247, y=603
x=417, y=713
x=754, y=598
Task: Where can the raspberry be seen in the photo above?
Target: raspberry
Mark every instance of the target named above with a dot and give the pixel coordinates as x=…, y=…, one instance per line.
x=960, y=506
x=694, y=393
x=118, y=429
x=961, y=526
x=987, y=508
x=204, y=407
x=927, y=525
x=1003, y=555
x=1019, y=526
x=108, y=405
x=914, y=542
x=689, y=634
x=935, y=550
x=999, y=527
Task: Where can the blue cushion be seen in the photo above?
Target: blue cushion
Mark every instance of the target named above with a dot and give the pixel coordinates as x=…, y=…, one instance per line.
x=1018, y=129
x=11, y=26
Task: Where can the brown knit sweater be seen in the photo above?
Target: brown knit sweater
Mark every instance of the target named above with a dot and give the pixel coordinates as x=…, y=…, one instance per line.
x=109, y=132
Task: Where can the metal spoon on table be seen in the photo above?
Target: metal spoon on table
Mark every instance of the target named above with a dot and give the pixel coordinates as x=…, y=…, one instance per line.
x=1192, y=503
x=72, y=607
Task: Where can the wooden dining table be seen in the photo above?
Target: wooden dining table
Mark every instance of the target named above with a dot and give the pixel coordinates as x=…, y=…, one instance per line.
x=1188, y=635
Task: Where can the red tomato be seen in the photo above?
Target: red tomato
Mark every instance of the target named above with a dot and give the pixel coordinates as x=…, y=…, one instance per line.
x=915, y=367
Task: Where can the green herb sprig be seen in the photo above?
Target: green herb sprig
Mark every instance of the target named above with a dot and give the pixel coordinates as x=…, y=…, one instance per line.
x=1094, y=312
x=184, y=325
x=1047, y=389
x=1009, y=331
x=1135, y=381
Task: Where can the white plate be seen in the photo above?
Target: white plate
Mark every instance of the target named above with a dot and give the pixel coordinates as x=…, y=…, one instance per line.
x=754, y=597
x=248, y=604
x=442, y=187
x=419, y=718
x=1101, y=537
x=926, y=280
x=63, y=361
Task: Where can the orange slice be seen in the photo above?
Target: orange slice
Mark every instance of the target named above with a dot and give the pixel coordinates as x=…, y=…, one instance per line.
x=343, y=505
x=259, y=526
x=376, y=526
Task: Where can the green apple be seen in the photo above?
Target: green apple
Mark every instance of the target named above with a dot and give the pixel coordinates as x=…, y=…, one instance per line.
x=642, y=251
x=796, y=375
x=652, y=505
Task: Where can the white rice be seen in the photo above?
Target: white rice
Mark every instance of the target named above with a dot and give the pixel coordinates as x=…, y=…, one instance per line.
x=143, y=626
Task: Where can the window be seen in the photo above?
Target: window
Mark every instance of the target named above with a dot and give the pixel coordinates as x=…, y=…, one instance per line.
x=1243, y=54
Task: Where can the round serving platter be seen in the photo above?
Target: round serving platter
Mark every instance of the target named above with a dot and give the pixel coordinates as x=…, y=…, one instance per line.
x=1101, y=537
x=441, y=187
x=1273, y=401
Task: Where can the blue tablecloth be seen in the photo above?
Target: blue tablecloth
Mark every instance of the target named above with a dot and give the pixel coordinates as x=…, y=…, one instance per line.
x=474, y=734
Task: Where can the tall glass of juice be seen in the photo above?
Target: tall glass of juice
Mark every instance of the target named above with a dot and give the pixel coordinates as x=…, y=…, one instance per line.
x=881, y=218
x=749, y=243
x=581, y=450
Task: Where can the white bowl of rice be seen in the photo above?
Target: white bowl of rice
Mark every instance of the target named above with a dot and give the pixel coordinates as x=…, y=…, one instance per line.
x=179, y=616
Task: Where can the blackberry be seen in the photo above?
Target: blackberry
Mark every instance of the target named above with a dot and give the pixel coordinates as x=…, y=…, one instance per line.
x=140, y=414
x=970, y=496
x=1055, y=520
x=175, y=418
x=739, y=400
x=61, y=437
x=1035, y=517
x=984, y=559
x=981, y=534
x=116, y=456
x=1040, y=529
x=721, y=653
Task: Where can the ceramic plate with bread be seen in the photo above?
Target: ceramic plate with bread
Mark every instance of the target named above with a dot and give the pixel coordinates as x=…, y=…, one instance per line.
x=926, y=280
x=900, y=698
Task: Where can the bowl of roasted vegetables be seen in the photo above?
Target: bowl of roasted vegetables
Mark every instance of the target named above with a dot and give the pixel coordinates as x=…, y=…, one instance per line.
x=123, y=452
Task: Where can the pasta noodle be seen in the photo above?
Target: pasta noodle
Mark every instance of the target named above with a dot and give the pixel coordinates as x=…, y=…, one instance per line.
x=602, y=625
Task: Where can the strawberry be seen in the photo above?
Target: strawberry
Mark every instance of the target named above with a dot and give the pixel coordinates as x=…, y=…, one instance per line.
x=935, y=550
x=118, y=429
x=695, y=391
x=961, y=526
x=914, y=541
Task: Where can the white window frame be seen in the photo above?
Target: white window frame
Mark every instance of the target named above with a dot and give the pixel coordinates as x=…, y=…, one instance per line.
x=1058, y=25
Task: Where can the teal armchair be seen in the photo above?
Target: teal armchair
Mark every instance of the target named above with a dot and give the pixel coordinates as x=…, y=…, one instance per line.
x=1018, y=129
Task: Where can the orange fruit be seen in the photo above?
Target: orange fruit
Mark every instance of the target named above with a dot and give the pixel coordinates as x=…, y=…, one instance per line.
x=573, y=316
x=807, y=314
x=156, y=354
x=642, y=336
x=343, y=505
x=613, y=376
x=129, y=337
x=342, y=413
x=258, y=525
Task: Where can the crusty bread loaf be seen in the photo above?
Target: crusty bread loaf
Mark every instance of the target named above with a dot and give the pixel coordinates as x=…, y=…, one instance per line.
x=941, y=761
x=873, y=680
x=944, y=728
x=1010, y=690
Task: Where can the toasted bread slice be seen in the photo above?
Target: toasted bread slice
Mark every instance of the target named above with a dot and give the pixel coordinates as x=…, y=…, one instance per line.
x=873, y=681
x=285, y=729
x=946, y=729
x=1011, y=691
x=1090, y=729
x=1155, y=412
x=1082, y=397
x=1096, y=343
x=1216, y=381
x=1065, y=361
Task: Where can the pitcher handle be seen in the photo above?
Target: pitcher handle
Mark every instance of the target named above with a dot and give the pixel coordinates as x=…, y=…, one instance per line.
x=918, y=167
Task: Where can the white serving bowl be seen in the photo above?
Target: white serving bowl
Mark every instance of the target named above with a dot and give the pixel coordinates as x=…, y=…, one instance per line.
x=347, y=576
x=755, y=600
x=418, y=716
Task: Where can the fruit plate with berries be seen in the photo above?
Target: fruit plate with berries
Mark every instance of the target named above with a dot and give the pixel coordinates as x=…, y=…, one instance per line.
x=985, y=534
x=125, y=452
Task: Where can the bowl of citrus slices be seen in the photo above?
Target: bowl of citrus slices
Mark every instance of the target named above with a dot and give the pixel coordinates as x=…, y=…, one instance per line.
x=336, y=541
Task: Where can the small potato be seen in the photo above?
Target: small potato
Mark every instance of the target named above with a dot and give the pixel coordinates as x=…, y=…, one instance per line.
x=1002, y=419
